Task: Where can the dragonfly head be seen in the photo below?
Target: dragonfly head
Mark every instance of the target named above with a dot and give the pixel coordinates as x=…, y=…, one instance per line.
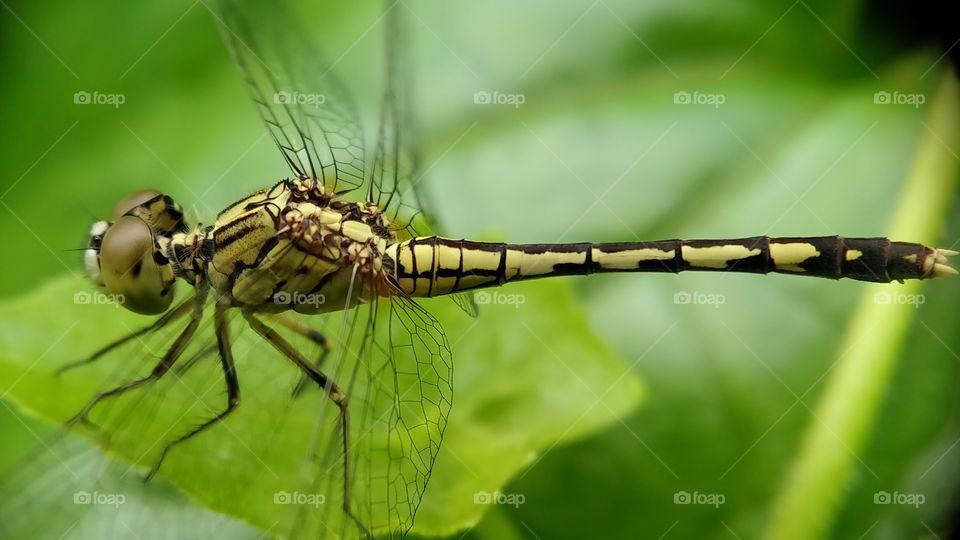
x=125, y=255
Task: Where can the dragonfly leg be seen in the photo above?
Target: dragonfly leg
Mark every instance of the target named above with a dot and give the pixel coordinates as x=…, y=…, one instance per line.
x=169, y=358
x=302, y=329
x=171, y=315
x=333, y=392
x=221, y=325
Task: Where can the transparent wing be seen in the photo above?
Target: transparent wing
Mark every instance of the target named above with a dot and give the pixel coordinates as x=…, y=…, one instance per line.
x=420, y=394
x=396, y=163
x=86, y=495
x=393, y=186
x=395, y=175
x=313, y=122
x=467, y=302
x=66, y=489
x=310, y=117
x=395, y=365
x=277, y=461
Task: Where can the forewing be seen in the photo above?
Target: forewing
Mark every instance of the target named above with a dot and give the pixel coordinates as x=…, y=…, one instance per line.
x=395, y=367
x=395, y=174
x=467, y=302
x=232, y=467
x=313, y=121
x=394, y=184
x=276, y=462
x=422, y=395
x=309, y=116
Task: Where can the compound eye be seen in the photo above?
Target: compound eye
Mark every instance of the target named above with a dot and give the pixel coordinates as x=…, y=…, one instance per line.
x=129, y=269
x=132, y=201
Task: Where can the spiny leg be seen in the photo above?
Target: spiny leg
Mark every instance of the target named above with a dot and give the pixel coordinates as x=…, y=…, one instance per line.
x=168, y=317
x=302, y=329
x=330, y=388
x=221, y=325
x=169, y=358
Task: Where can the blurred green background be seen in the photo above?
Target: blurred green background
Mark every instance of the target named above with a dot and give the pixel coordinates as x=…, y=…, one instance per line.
x=598, y=151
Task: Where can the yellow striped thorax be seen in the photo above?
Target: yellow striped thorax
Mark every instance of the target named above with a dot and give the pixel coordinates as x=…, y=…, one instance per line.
x=291, y=246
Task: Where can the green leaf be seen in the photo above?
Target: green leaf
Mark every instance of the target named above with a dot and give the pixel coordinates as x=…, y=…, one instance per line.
x=598, y=152
x=530, y=357
x=530, y=375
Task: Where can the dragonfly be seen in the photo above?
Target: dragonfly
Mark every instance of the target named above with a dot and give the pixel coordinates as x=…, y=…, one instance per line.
x=346, y=240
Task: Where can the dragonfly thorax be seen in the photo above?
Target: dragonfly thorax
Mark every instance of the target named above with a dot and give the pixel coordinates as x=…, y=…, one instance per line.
x=292, y=246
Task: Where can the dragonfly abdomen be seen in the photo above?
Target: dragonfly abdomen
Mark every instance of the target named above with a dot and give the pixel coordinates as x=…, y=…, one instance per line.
x=432, y=266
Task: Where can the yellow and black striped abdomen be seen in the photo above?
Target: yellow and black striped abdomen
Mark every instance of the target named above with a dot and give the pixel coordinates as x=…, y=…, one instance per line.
x=434, y=265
